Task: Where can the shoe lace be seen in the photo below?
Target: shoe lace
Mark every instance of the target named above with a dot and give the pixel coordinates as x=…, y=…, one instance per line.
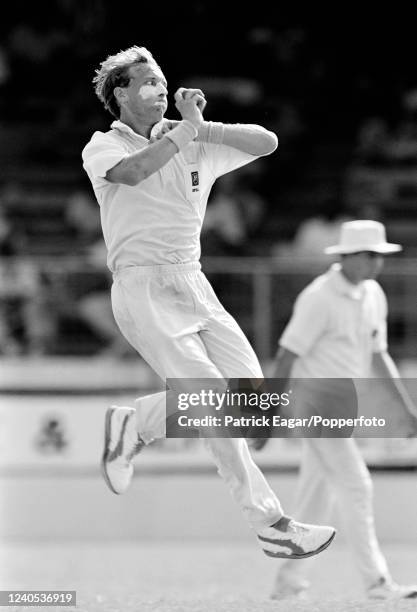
x=297, y=529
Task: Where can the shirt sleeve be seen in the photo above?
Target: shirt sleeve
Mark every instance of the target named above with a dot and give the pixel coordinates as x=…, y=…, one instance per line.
x=101, y=154
x=380, y=336
x=308, y=322
x=222, y=159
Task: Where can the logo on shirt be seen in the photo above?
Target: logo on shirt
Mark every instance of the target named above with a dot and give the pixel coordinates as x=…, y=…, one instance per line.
x=195, y=181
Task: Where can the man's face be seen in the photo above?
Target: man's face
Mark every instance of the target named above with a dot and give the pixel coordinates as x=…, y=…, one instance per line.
x=367, y=264
x=146, y=94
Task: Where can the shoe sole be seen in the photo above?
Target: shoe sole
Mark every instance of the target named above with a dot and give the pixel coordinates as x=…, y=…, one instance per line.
x=107, y=429
x=392, y=598
x=303, y=556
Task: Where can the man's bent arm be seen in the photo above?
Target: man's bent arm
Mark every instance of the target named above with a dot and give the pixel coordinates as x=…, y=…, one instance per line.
x=136, y=167
x=248, y=138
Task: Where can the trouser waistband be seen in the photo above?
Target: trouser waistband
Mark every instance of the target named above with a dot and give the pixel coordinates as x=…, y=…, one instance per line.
x=159, y=270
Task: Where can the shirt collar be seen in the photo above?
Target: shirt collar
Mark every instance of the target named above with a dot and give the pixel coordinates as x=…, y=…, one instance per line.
x=122, y=127
x=341, y=284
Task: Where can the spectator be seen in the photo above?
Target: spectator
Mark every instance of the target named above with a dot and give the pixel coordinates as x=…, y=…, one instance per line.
x=25, y=327
x=83, y=216
x=233, y=216
x=379, y=145
x=315, y=233
x=403, y=147
x=373, y=142
x=93, y=306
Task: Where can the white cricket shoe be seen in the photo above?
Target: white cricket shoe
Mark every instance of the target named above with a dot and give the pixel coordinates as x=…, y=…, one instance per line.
x=288, y=539
x=121, y=443
x=387, y=589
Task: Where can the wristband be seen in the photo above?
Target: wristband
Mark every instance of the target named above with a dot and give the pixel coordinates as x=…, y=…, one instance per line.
x=211, y=131
x=183, y=134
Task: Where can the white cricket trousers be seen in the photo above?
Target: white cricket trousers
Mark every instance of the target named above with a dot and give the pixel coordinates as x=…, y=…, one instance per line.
x=333, y=470
x=172, y=317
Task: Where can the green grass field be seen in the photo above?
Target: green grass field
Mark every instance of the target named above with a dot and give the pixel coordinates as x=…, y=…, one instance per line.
x=188, y=577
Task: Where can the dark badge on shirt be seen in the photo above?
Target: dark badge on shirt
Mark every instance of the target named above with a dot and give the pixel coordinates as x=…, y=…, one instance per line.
x=194, y=178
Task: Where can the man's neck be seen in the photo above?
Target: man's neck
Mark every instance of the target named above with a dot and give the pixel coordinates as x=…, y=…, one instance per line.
x=137, y=126
x=354, y=280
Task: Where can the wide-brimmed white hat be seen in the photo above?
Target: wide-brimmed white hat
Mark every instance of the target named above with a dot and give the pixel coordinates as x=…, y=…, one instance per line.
x=357, y=236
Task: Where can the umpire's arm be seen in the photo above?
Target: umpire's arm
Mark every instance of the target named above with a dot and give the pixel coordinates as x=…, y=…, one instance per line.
x=386, y=368
x=280, y=374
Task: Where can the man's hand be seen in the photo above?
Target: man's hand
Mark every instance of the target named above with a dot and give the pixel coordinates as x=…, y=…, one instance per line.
x=257, y=443
x=190, y=104
x=264, y=433
x=167, y=127
x=193, y=93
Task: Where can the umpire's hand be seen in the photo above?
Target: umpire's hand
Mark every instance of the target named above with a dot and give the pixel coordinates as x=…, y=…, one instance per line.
x=257, y=443
x=258, y=437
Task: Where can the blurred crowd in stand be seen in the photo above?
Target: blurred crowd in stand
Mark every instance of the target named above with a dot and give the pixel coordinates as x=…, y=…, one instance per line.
x=380, y=143
x=346, y=151
x=41, y=297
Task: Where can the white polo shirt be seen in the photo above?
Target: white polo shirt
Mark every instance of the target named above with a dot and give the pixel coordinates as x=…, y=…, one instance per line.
x=159, y=220
x=336, y=326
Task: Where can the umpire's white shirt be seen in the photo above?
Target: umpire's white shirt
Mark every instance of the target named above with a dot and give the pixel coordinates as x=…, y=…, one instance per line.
x=336, y=326
x=158, y=221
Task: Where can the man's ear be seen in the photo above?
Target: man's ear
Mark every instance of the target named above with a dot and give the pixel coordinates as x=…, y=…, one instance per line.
x=120, y=94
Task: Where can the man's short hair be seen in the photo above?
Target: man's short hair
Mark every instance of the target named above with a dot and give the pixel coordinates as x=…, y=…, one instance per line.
x=114, y=72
